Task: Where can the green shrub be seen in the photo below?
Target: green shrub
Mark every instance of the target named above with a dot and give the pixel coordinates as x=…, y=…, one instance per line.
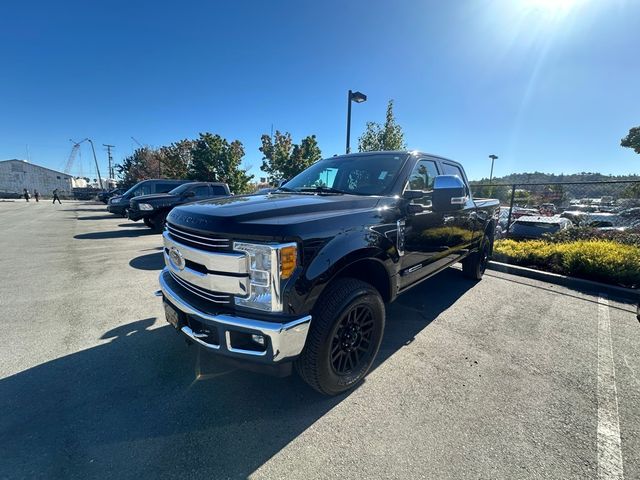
x=600, y=260
x=627, y=237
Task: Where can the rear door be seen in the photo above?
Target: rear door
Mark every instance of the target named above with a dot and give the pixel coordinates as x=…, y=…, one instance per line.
x=201, y=192
x=462, y=222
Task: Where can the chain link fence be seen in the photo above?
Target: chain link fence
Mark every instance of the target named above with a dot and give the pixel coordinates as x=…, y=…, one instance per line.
x=601, y=205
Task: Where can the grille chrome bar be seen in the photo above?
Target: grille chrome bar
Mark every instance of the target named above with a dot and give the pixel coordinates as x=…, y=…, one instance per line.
x=212, y=297
x=223, y=262
x=181, y=234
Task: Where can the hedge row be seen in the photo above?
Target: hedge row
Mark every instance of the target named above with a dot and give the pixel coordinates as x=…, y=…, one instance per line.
x=626, y=237
x=600, y=260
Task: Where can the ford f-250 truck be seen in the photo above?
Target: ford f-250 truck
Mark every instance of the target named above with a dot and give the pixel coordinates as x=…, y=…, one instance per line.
x=300, y=276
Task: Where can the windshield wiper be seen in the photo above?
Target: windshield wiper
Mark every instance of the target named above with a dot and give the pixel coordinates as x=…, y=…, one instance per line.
x=320, y=189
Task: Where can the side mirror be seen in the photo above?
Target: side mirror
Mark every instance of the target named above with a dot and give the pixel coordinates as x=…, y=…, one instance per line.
x=449, y=193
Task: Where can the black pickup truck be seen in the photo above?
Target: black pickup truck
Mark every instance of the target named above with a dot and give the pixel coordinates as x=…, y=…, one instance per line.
x=300, y=276
x=153, y=209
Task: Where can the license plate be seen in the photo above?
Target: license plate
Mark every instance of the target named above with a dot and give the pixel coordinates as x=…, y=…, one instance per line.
x=171, y=315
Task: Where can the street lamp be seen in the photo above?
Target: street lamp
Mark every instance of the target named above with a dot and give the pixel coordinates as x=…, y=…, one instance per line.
x=357, y=97
x=493, y=159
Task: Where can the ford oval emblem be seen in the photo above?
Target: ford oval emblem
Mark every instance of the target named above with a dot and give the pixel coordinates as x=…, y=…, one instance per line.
x=176, y=258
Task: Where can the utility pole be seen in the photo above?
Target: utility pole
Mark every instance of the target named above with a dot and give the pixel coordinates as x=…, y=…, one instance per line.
x=109, y=147
x=95, y=159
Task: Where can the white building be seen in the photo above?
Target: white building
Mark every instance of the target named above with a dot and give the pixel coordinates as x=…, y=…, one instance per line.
x=16, y=175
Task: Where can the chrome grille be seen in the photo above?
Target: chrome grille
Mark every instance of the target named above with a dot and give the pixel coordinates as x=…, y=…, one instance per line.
x=201, y=292
x=198, y=241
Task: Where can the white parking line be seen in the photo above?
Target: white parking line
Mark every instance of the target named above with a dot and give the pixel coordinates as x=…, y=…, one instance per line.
x=609, y=449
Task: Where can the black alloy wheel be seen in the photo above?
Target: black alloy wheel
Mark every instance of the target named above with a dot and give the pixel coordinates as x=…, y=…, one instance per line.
x=351, y=344
x=344, y=337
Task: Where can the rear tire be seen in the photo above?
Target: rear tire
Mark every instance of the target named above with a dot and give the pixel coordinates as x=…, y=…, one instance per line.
x=474, y=265
x=344, y=338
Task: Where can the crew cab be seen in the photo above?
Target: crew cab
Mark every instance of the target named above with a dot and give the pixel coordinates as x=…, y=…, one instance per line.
x=300, y=276
x=119, y=205
x=153, y=209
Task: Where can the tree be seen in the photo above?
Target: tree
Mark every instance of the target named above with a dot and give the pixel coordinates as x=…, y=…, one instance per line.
x=382, y=137
x=214, y=159
x=142, y=164
x=632, y=140
x=283, y=159
x=176, y=158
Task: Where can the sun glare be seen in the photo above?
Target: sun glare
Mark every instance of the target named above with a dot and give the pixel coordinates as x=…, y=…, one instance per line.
x=550, y=7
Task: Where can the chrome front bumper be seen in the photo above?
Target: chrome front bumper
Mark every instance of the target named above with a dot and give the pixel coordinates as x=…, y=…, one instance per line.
x=283, y=340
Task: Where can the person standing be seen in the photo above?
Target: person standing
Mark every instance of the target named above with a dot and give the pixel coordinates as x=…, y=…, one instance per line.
x=26, y=194
x=56, y=197
x=37, y=195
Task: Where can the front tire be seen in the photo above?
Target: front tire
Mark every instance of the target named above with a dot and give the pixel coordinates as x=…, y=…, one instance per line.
x=344, y=339
x=147, y=221
x=158, y=222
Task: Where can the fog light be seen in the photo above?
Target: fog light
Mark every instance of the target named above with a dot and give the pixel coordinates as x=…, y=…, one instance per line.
x=259, y=339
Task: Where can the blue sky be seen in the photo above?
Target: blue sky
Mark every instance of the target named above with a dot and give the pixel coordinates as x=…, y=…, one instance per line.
x=547, y=88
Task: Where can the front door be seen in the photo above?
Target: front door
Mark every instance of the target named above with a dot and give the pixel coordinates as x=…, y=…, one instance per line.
x=463, y=222
x=426, y=235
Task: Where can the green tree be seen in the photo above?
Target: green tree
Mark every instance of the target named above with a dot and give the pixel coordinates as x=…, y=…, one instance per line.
x=283, y=159
x=176, y=158
x=632, y=140
x=142, y=164
x=382, y=137
x=214, y=159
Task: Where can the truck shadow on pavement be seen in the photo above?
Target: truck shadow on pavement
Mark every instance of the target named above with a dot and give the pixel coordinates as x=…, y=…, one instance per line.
x=98, y=217
x=114, y=234
x=150, y=261
x=144, y=405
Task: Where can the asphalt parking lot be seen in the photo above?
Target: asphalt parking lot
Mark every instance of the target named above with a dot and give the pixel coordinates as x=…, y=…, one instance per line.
x=507, y=378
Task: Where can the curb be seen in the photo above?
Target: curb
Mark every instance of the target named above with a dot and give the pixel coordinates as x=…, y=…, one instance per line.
x=571, y=282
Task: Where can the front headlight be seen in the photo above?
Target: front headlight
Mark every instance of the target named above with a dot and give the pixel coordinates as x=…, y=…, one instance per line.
x=145, y=206
x=268, y=266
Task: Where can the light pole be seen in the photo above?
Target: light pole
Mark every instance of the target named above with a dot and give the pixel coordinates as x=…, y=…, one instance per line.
x=357, y=97
x=493, y=159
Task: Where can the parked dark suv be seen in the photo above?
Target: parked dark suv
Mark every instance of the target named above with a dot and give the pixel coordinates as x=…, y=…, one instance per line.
x=120, y=204
x=153, y=209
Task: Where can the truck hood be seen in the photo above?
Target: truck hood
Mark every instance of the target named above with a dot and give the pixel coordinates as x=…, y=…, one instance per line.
x=279, y=215
x=156, y=198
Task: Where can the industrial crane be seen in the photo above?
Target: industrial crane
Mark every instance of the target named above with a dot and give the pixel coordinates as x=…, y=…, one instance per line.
x=74, y=152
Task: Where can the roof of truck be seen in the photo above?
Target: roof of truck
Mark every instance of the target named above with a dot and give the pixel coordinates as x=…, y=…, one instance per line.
x=400, y=152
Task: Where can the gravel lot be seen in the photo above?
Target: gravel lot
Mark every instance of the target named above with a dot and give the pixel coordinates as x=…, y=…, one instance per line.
x=507, y=378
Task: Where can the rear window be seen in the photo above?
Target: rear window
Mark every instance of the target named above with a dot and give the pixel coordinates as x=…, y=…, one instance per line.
x=218, y=190
x=165, y=187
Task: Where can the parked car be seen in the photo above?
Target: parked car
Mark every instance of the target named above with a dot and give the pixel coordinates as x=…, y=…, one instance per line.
x=153, y=209
x=530, y=227
x=518, y=212
x=120, y=204
x=105, y=196
x=548, y=209
x=301, y=275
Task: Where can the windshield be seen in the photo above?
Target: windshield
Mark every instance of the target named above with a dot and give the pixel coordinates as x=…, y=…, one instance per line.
x=181, y=189
x=534, y=228
x=359, y=175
